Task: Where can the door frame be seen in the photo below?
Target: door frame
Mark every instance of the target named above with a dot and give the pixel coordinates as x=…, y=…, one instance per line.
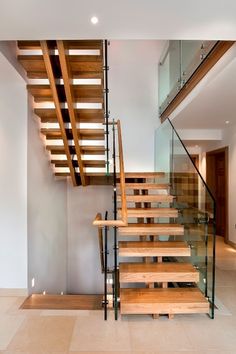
x=225, y=150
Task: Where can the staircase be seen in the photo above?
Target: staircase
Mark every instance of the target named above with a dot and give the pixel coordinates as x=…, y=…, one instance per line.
x=152, y=281
x=66, y=80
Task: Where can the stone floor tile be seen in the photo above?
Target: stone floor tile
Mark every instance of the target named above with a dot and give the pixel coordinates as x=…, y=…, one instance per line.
x=43, y=334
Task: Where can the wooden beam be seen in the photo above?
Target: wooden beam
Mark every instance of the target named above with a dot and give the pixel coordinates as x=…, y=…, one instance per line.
x=98, y=221
x=52, y=82
x=219, y=50
x=67, y=77
x=122, y=176
x=124, y=218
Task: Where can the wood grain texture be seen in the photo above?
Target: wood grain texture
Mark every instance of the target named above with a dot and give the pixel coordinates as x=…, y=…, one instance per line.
x=151, y=213
x=158, y=272
x=145, y=186
x=62, y=130
x=144, y=175
x=122, y=175
x=154, y=198
x=63, y=302
x=163, y=301
x=151, y=229
x=153, y=249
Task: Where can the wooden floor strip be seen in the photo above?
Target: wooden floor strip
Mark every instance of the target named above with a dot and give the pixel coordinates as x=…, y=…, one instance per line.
x=63, y=302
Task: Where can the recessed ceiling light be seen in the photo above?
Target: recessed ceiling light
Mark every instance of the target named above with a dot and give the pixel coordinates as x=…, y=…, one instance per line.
x=227, y=122
x=94, y=20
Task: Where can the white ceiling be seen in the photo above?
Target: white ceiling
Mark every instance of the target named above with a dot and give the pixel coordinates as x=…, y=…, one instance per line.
x=215, y=102
x=122, y=19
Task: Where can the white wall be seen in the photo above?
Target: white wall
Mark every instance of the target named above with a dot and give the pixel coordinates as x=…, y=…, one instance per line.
x=47, y=217
x=13, y=178
x=84, y=274
x=133, y=84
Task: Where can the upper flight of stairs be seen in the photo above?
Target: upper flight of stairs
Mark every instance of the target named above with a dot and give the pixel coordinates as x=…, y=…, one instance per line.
x=66, y=81
x=149, y=281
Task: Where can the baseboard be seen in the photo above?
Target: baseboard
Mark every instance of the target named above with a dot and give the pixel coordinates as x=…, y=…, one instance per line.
x=232, y=244
x=13, y=292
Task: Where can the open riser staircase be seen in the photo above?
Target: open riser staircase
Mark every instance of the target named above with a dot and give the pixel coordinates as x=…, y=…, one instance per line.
x=164, y=240
x=147, y=280
x=66, y=80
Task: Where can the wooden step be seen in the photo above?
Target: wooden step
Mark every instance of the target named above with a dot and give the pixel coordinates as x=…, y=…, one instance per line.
x=89, y=174
x=85, y=134
x=157, y=272
x=151, y=212
x=48, y=115
x=144, y=174
x=154, y=198
x=86, y=150
x=70, y=44
x=35, y=67
x=153, y=249
x=162, y=301
x=86, y=163
x=81, y=93
x=145, y=186
x=151, y=229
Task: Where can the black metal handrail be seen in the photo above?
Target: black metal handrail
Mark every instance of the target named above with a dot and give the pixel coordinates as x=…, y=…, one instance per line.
x=106, y=91
x=105, y=269
x=115, y=228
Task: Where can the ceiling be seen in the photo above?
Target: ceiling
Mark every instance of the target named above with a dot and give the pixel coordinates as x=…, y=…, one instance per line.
x=123, y=19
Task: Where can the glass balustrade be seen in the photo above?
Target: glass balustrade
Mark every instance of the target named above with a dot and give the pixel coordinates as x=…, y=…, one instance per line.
x=179, y=61
x=195, y=205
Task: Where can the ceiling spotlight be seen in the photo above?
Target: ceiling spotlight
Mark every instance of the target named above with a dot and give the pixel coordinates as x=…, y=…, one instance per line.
x=227, y=122
x=94, y=20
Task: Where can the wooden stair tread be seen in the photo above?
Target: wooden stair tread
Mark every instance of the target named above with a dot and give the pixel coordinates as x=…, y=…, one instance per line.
x=86, y=163
x=79, y=91
x=163, y=301
x=158, y=198
x=144, y=174
x=86, y=150
x=151, y=229
x=48, y=115
x=144, y=186
x=35, y=64
x=70, y=44
x=169, y=295
x=89, y=174
x=152, y=212
x=163, y=267
x=157, y=272
x=86, y=134
x=163, y=248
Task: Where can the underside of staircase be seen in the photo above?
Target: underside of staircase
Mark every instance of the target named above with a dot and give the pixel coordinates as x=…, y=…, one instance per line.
x=66, y=80
x=156, y=276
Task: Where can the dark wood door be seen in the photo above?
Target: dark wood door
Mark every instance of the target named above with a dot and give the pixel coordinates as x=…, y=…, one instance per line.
x=217, y=180
x=220, y=193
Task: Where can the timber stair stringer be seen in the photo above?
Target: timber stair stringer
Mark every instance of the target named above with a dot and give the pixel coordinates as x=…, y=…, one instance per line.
x=66, y=81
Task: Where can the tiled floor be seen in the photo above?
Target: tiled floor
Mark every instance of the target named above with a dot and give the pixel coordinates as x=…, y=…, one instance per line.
x=64, y=332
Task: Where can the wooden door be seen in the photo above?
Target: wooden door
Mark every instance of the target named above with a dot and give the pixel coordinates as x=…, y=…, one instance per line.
x=217, y=180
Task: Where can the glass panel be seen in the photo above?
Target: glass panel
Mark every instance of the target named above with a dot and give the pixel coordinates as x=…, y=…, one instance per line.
x=192, y=54
x=169, y=75
x=195, y=204
x=179, y=62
